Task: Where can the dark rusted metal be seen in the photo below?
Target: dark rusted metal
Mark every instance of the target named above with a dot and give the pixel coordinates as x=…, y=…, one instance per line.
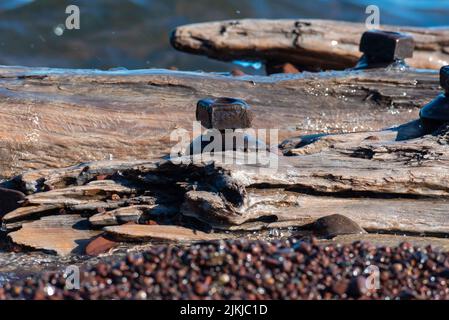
x=224, y=113
x=436, y=113
x=384, y=48
x=444, y=78
x=223, y=117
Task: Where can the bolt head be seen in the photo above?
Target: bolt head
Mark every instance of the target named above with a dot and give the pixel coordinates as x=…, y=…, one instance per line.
x=224, y=113
x=444, y=78
x=387, y=46
x=437, y=109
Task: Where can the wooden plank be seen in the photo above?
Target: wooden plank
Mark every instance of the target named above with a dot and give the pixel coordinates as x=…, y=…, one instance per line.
x=310, y=44
x=135, y=232
x=120, y=215
x=52, y=118
x=63, y=234
x=380, y=182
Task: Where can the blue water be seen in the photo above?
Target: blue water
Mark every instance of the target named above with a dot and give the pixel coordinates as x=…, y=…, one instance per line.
x=134, y=33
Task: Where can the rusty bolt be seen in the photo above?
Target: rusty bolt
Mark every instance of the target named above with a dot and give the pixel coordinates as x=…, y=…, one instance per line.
x=224, y=113
x=386, y=46
x=436, y=113
x=384, y=49
x=444, y=79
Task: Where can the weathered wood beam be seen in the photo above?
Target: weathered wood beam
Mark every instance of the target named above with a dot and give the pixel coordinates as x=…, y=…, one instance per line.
x=382, y=183
x=52, y=118
x=61, y=234
x=309, y=44
x=139, y=233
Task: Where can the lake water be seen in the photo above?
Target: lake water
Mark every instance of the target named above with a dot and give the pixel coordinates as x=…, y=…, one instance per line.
x=134, y=33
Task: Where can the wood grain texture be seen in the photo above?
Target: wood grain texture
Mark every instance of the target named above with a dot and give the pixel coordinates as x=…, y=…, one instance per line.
x=135, y=232
x=53, y=118
x=382, y=183
x=62, y=234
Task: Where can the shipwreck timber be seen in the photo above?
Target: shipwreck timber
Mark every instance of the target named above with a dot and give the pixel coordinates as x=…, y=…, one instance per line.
x=355, y=162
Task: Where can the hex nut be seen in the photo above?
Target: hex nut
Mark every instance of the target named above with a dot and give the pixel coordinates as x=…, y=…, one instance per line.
x=386, y=45
x=224, y=113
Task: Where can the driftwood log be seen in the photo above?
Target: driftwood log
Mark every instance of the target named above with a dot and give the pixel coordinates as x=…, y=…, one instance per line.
x=309, y=44
x=52, y=118
x=393, y=181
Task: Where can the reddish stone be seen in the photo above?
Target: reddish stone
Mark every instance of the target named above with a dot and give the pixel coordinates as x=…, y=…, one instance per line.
x=99, y=245
x=237, y=73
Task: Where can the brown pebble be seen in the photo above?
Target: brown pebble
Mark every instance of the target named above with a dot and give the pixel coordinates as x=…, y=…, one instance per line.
x=252, y=270
x=397, y=267
x=340, y=287
x=334, y=225
x=237, y=73
x=357, y=287
x=201, y=289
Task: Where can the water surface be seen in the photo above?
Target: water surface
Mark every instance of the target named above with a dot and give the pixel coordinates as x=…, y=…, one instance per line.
x=134, y=34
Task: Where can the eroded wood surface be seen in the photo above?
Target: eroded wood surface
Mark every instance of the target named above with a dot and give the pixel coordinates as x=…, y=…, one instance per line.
x=52, y=118
x=310, y=44
x=382, y=183
x=177, y=234
x=63, y=234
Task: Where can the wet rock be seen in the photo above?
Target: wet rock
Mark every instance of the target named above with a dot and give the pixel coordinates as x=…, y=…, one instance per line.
x=326, y=272
x=9, y=200
x=334, y=225
x=357, y=287
x=237, y=73
x=340, y=287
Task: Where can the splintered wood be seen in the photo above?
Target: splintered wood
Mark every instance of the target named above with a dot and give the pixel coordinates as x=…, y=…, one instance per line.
x=383, y=184
x=53, y=118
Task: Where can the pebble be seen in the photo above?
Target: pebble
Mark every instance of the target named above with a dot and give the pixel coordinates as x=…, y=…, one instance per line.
x=336, y=224
x=278, y=269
